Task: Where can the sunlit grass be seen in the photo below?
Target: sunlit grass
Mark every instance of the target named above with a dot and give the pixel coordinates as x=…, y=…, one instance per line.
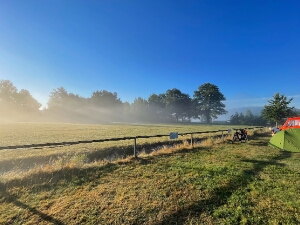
x=33, y=133
x=210, y=182
x=243, y=183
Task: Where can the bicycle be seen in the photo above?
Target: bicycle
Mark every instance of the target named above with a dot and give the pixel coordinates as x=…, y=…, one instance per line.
x=240, y=135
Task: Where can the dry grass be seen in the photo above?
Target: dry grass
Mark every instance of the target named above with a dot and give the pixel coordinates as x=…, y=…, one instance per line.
x=32, y=133
x=224, y=184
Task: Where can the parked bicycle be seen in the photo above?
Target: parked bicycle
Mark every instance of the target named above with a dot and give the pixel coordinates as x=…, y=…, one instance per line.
x=240, y=135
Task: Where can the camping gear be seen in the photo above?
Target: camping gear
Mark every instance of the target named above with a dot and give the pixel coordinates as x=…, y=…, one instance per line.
x=292, y=122
x=288, y=138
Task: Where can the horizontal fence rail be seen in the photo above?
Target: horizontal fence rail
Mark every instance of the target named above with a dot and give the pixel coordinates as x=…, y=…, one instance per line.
x=57, y=144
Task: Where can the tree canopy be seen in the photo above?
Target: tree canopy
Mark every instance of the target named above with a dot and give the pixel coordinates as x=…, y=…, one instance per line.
x=247, y=119
x=208, y=102
x=178, y=104
x=16, y=104
x=278, y=109
x=104, y=106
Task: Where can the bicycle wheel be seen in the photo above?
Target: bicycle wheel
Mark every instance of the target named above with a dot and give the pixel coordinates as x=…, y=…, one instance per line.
x=234, y=139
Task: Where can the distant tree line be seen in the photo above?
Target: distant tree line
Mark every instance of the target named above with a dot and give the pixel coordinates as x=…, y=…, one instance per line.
x=104, y=106
x=19, y=105
x=248, y=119
x=273, y=114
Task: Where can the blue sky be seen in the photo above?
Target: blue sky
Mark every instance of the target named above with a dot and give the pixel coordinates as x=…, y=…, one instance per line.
x=250, y=49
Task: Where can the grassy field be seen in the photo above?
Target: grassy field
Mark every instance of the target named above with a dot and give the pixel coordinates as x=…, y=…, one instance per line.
x=36, y=133
x=32, y=133
x=241, y=183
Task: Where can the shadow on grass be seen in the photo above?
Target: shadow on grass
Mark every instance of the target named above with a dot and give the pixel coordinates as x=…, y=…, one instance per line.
x=259, y=143
x=221, y=195
x=47, y=180
x=33, y=161
x=260, y=135
x=108, y=154
x=8, y=198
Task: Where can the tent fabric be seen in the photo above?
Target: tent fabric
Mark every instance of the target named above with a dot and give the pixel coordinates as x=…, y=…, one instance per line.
x=288, y=140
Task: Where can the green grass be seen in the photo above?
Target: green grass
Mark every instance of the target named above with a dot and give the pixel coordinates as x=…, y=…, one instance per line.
x=33, y=133
x=36, y=133
x=224, y=184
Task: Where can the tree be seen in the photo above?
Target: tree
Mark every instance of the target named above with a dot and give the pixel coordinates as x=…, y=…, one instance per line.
x=140, y=109
x=157, y=107
x=58, y=99
x=27, y=102
x=8, y=92
x=178, y=104
x=247, y=119
x=17, y=105
x=106, y=106
x=126, y=111
x=278, y=109
x=105, y=99
x=208, y=102
x=235, y=119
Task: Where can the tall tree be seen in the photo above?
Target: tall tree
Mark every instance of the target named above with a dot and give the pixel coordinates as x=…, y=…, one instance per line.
x=249, y=118
x=235, y=119
x=140, y=109
x=59, y=98
x=126, y=111
x=27, y=102
x=157, y=107
x=278, y=109
x=106, y=106
x=8, y=92
x=16, y=105
x=208, y=100
x=178, y=104
x=105, y=99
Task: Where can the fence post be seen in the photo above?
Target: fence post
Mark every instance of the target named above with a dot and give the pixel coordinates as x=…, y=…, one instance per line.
x=134, y=147
x=223, y=136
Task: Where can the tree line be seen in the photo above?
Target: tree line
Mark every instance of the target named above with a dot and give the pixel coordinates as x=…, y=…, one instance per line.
x=104, y=106
x=275, y=113
x=15, y=104
x=248, y=119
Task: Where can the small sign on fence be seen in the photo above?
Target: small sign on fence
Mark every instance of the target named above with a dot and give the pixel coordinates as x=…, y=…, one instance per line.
x=173, y=135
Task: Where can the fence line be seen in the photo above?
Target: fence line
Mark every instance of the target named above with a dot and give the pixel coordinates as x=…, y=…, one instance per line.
x=56, y=144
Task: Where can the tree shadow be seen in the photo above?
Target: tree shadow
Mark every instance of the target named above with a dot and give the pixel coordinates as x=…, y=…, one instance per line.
x=8, y=198
x=259, y=143
x=260, y=135
x=47, y=180
x=220, y=195
x=110, y=154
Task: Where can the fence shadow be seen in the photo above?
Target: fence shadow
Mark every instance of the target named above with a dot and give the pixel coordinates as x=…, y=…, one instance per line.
x=221, y=195
x=45, y=180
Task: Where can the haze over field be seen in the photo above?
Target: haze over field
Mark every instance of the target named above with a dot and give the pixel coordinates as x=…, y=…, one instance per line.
x=249, y=49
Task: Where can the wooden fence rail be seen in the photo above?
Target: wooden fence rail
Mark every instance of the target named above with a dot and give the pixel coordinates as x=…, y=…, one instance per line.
x=56, y=144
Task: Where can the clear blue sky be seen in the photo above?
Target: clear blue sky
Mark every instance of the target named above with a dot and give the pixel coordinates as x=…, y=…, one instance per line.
x=250, y=49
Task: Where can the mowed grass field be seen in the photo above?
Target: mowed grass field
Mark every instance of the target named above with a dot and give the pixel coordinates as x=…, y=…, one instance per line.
x=12, y=134
x=32, y=133
x=221, y=183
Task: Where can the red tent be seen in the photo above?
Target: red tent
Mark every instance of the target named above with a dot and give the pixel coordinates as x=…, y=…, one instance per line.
x=292, y=122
